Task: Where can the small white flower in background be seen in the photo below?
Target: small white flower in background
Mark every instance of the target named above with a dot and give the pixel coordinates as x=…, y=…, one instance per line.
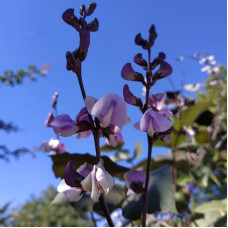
x=192, y=87
x=99, y=181
x=54, y=146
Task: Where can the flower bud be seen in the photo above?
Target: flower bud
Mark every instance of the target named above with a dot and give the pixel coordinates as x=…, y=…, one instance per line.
x=164, y=71
x=152, y=35
x=139, y=60
x=161, y=57
x=130, y=98
x=91, y=8
x=140, y=41
x=82, y=10
x=93, y=25
x=69, y=17
x=128, y=73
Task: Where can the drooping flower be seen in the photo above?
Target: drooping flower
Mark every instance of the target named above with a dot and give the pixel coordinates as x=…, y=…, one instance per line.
x=54, y=146
x=110, y=109
x=153, y=122
x=164, y=70
x=99, y=181
x=135, y=182
x=71, y=184
x=64, y=126
x=130, y=98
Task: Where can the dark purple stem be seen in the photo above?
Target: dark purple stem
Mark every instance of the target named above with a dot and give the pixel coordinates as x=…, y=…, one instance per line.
x=144, y=206
x=97, y=148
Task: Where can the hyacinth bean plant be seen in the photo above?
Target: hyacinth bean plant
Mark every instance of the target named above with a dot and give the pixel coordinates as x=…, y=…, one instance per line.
x=105, y=117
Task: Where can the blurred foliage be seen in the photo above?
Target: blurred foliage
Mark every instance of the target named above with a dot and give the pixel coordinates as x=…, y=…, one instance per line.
x=37, y=212
x=9, y=78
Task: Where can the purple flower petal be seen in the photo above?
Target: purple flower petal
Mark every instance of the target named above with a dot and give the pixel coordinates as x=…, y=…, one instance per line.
x=85, y=169
x=128, y=73
x=157, y=100
x=164, y=70
x=84, y=134
x=71, y=177
x=114, y=139
x=139, y=60
x=130, y=98
x=82, y=115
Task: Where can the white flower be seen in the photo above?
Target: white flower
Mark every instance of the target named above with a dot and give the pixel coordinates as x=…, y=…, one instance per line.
x=99, y=181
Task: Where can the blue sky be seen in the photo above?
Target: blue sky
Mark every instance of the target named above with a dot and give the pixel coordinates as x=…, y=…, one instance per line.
x=32, y=32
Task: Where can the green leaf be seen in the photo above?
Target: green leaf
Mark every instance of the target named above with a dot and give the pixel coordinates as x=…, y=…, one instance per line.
x=120, y=155
x=202, y=137
x=60, y=161
x=114, y=199
x=160, y=196
x=107, y=148
x=190, y=114
x=137, y=150
x=174, y=141
x=213, y=212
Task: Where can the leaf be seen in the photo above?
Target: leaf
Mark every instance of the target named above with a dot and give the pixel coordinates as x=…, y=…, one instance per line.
x=174, y=141
x=160, y=196
x=202, y=137
x=120, y=155
x=137, y=150
x=107, y=148
x=190, y=114
x=213, y=212
x=113, y=199
x=60, y=161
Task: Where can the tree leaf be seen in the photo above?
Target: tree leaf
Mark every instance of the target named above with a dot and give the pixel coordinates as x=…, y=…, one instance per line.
x=137, y=150
x=120, y=155
x=160, y=196
x=60, y=161
x=107, y=148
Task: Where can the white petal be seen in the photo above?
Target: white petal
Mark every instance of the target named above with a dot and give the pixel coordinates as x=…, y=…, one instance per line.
x=74, y=194
x=63, y=186
x=87, y=183
x=90, y=102
x=94, y=193
x=101, y=179
x=110, y=180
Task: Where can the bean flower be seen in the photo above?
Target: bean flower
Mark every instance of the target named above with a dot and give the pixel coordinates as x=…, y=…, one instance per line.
x=153, y=122
x=54, y=146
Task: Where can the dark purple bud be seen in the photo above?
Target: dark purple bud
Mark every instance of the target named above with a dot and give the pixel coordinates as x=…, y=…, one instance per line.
x=71, y=177
x=128, y=73
x=130, y=98
x=140, y=41
x=82, y=10
x=69, y=17
x=93, y=25
x=161, y=57
x=139, y=60
x=91, y=8
x=70, y=60
x=164, y=71
x=152, y=35
x=49, y=119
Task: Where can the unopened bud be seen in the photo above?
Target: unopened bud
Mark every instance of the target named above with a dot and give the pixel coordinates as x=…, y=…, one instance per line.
x=139, y=60
x=69, y=17
x=161, y=57
x=83, y=23
x=82, y=10
x=130, y=98
x=152, y=35
x=140, y=41
x=128, y=73
x=93, y=25
x=91, y=8
x=164, y=71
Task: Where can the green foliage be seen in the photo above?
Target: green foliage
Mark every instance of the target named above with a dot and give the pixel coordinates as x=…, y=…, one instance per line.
x=160, y=196
x=38, y=212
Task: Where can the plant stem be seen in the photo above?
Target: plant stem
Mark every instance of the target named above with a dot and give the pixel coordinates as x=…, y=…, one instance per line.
x=144, y=205
x=97, y=149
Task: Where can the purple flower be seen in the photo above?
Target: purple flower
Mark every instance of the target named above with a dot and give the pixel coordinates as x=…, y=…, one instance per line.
x=113, y=139
x=157, y=102
x=71, y=184
x=98, y=181
x=139, y=60
x=128, y=73
x=153, y=122
x=110, y=109
x=54, y=146
x=69, y=17
x=63, y=125
x=130, y=98
x=135, y=182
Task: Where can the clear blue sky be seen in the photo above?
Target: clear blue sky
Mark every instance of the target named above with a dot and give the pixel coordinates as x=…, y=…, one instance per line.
x=32, y=32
